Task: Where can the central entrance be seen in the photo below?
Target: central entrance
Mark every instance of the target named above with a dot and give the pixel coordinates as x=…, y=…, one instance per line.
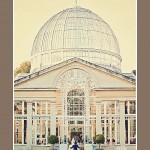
x=76, y=114
x=77, y=87
x=76, y=133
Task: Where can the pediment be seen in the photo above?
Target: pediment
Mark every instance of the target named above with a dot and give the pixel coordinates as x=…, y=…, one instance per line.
x=101, y=78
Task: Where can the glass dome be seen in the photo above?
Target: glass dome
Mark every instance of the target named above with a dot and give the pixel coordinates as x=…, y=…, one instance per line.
x=75, y=32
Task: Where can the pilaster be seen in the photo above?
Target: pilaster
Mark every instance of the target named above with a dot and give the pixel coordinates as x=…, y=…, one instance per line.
x=29, y=124
x=98, y=118
x=53, y=118
x=122, y=123
x=87, y=116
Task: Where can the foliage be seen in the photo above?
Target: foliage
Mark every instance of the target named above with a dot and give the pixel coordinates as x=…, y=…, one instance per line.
x=134, y=72
x=23, y=68
x=99, y=139
x=53, y=139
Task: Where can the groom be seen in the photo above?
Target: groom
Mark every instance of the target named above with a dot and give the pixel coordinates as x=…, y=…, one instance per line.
x=75, y=146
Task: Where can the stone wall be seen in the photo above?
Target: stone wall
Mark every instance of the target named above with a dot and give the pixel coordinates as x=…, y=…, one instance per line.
x=24, y=147
x=20, y=147
x=127, y=147
x=130, y=147
x=41, y=147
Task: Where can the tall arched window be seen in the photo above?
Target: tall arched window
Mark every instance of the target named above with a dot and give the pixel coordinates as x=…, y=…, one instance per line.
x=75, y=102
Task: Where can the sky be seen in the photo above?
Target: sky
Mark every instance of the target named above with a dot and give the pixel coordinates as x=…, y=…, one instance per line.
x=30, y=16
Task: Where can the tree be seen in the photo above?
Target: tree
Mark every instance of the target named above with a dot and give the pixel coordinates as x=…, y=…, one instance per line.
x=134, y=72
x=99, y=139
x=23, y=68
x=53, y=139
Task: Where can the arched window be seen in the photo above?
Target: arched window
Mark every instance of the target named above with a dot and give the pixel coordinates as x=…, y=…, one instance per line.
x=75, y=102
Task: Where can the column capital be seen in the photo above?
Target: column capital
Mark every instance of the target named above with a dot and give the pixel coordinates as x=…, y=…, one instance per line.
x=98, y=101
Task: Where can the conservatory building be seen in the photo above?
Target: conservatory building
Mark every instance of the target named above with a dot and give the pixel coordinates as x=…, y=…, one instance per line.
x=76, y=88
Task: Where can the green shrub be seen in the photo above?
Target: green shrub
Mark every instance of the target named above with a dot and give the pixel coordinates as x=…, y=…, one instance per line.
x=53, y=139
x=99, y=139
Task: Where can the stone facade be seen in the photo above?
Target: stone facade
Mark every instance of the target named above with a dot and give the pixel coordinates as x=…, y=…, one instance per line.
x=75, y=100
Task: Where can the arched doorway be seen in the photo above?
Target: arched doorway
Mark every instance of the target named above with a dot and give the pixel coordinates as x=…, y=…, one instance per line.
x=77, y=87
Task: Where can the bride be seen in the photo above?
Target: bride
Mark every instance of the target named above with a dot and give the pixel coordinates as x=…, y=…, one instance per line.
x=72, y=143
x=73, y=140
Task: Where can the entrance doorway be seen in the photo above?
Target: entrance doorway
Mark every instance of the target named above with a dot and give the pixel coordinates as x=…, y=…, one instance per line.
x=76, y=110
x=76, y=133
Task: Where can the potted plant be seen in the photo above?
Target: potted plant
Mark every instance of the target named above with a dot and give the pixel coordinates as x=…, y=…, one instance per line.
x=99, y=139
x=53, y=139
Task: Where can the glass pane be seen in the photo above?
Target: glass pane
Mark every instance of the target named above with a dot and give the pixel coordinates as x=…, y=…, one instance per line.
x=132, y=107
x=75, y=103
x=18, y=107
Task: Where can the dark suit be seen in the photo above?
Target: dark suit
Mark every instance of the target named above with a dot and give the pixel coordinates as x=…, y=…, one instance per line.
x=75, y=147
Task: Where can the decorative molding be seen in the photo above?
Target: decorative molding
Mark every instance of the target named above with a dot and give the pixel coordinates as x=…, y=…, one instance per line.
x=121, y=99
x=75, y=78
x=28, y=99
x=35, y=89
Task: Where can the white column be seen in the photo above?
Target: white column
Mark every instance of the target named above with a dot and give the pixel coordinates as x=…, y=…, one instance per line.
x=98, y=118
x=35, y=108
x=35, y=123
x=128, y=107
x=22, y=107
x=128, y=130
x=41, y=127
x=29, y=124
x=105, y=129
x=122, y=123
x=46, y=122
x=63, y=114
x=22, y=131
x=53, y=118
x=66, y=119
x=22, y=123
x=46, y=130
x=115, y=131
x=105, y=123
x=87, y=118
x=35, y=130
x=110, y=131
